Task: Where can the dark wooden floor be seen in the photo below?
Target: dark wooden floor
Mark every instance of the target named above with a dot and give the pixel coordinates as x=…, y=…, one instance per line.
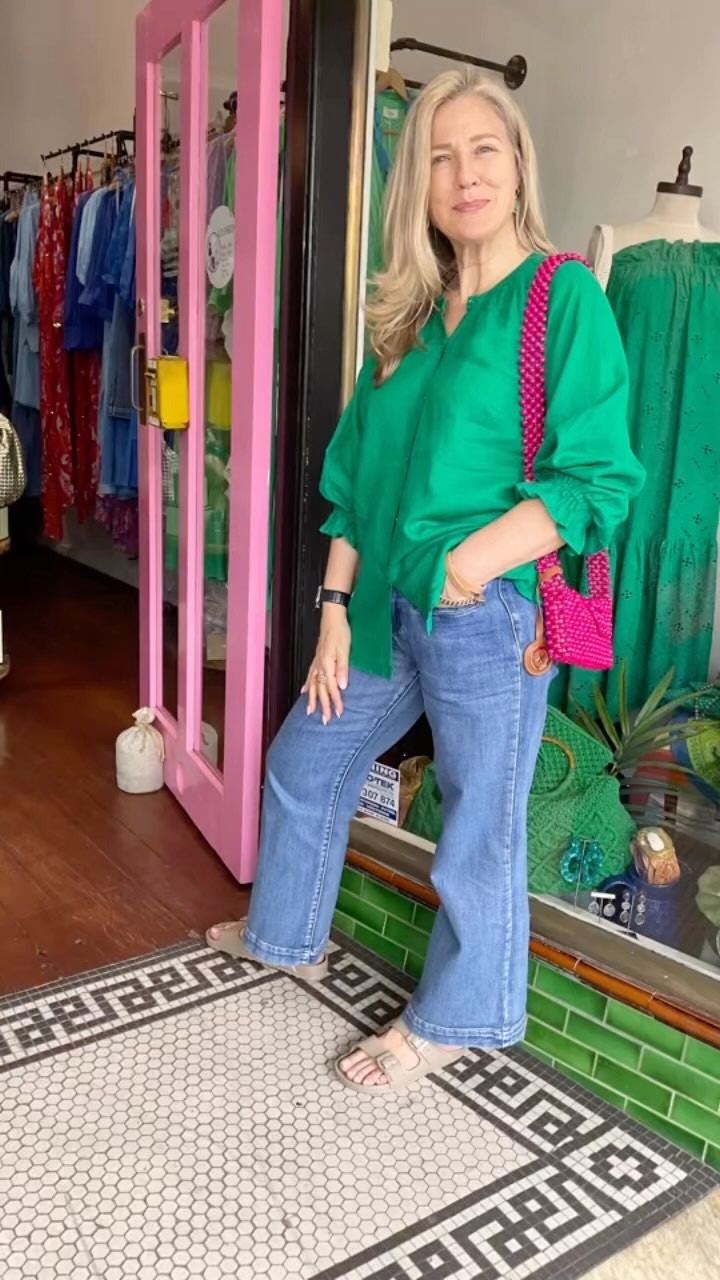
x=87, y=875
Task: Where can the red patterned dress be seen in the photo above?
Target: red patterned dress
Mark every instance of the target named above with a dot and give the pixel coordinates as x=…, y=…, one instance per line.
x=49, y=270
x=84, y=401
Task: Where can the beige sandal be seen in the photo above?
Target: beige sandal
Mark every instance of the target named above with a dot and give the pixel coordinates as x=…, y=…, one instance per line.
x=430, y=1057
x=231, y=942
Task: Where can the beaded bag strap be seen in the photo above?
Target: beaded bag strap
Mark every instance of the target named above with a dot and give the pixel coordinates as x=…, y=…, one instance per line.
x=533, y=400
x=532, y=356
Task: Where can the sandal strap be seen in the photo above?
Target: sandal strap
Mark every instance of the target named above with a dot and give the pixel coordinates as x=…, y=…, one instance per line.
x=424, y=1049
x=391, y=1067
x=430, y=1056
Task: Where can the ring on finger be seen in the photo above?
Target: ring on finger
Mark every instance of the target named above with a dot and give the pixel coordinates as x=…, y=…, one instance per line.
x=322, y=677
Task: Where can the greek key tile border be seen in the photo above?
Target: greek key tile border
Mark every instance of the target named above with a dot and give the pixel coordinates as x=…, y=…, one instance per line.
x=75, y=1011
x=596, y=1181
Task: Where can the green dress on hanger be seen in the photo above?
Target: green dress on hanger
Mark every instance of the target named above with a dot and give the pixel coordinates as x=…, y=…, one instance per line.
x=390, y=113
x=666, y=299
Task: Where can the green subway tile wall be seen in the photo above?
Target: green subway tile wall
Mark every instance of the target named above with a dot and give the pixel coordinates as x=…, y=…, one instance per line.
x=664, y=1079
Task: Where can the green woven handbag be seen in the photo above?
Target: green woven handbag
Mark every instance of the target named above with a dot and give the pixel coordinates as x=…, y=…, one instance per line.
x=573, y=795
x=424, y=817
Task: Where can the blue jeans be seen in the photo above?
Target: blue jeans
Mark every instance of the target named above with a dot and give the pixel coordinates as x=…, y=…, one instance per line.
x=487, y=718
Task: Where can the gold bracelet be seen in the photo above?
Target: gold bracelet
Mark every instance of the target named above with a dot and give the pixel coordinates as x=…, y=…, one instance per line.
x=461, y=584
x=449, y=602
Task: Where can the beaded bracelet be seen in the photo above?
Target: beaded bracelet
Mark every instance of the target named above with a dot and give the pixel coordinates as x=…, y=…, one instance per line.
x=450, y=602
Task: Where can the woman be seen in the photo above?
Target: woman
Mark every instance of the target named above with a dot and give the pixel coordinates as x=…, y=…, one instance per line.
x=435, y=535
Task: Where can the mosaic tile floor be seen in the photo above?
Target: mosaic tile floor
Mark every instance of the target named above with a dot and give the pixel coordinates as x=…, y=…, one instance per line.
x=175, y=1116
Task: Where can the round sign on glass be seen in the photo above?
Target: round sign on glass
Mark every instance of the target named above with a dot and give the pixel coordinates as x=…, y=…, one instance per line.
x=220, y=247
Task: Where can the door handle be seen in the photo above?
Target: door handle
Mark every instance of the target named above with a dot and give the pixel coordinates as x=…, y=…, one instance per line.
x=137, y=376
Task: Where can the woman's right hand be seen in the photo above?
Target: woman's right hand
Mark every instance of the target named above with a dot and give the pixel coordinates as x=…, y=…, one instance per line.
x=328, y=674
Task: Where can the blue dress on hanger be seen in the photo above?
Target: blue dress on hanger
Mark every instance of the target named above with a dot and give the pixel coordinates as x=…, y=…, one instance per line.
x=26, y=343
x=108, y=274
x=83, y=330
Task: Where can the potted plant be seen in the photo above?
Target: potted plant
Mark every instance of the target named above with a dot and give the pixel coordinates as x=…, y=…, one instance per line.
x=643, y=748
x=641, y=744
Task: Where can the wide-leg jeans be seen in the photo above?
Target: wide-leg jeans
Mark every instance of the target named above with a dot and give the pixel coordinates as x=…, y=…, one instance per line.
x=487, y=717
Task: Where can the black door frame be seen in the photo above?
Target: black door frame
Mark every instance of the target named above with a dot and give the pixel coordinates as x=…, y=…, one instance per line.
x=321, y=59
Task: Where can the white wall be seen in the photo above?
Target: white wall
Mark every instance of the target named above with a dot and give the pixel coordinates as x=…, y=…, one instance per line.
x=67, y=71
x=615, y=89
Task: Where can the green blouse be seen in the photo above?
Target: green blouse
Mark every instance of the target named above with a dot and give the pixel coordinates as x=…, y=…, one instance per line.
x=421, y=462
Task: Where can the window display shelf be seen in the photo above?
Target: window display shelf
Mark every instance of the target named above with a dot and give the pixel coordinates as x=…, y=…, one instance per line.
x=681, y=990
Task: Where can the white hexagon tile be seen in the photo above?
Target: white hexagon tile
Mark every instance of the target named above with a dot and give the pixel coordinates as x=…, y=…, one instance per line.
x=177, y=1116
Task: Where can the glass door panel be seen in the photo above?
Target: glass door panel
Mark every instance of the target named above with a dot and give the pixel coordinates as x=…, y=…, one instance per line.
x=217, y=232
x=203, y=521
x=167, y=159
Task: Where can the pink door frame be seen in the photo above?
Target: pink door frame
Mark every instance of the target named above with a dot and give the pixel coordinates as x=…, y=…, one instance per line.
x=225, y=808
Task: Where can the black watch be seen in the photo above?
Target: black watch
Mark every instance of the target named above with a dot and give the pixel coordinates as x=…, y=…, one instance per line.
x=331, y=597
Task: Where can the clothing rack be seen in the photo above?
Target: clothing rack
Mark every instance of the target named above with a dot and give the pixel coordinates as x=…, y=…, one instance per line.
x=120, y=137
x=514, y=71
x=13, y=177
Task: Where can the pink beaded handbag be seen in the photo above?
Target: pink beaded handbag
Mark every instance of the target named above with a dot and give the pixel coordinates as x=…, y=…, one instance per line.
x=572, y=628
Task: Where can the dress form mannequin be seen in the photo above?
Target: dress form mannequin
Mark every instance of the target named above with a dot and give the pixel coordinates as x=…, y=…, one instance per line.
x=674, y=216
x=675, y=222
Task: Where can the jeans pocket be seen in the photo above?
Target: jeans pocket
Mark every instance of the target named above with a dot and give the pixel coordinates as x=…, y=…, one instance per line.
x=523, y=615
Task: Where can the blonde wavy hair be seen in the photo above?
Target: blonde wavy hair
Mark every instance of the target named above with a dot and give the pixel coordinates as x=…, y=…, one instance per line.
x=420, y=260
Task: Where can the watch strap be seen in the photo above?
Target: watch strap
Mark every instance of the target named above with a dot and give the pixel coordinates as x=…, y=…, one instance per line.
x=325, y=596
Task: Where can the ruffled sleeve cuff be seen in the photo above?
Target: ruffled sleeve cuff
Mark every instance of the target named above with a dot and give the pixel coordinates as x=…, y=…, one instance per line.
x=580, y=526
x=340, y=524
